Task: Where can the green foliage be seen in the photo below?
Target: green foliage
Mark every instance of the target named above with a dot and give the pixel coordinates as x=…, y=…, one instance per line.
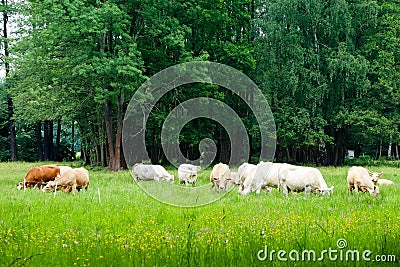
x=328, y=69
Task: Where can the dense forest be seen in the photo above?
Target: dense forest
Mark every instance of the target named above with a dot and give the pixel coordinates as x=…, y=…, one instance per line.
x=329, y=70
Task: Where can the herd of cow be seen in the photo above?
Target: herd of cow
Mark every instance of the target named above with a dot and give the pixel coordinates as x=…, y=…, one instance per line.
x=53, y=177
x=265, y=175
x=249, y=178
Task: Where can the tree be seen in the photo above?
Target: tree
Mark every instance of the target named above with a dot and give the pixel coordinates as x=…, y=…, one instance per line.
x=6, y=9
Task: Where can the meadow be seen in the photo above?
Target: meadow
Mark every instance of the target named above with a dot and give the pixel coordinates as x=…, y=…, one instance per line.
x=123, y=226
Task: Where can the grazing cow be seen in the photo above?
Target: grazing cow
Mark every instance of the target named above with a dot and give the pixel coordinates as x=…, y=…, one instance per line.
x=243, y=172
x=235, y=177
x=64, y=169
x=385, y=182
x=39, y=175
x=298, y=178
x=147, y=172
x=359, y=178
x=264, y=175
x=66, y=183
x=82, y=178
x=220, y=177
x=187, y=174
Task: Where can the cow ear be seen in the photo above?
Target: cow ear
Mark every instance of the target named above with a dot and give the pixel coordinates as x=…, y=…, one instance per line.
x=370, y=173
x=380, y=174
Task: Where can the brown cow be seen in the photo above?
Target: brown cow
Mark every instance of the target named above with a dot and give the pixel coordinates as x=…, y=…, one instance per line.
x=39, y=175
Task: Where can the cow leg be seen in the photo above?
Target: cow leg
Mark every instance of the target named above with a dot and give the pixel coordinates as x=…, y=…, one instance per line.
x=350, y=188
x=73, y=189
x=258, y=190
x=307, y=190
x=356, y=188
x=285, y=190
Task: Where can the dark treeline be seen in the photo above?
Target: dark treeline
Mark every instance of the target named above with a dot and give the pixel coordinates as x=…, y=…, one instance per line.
x=329, y=69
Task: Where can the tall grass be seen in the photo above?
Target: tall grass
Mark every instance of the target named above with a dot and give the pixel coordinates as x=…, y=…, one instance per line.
x=126, y=227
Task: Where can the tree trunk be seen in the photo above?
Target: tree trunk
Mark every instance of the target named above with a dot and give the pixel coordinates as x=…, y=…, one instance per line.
x=73, y=140
x=118, y=139
x=380, y=150
x=48, y=140
x=389, y=155
x=339, y=148
x=109, y=133
x=58, y=137
x=13, y=135
x=39, y=142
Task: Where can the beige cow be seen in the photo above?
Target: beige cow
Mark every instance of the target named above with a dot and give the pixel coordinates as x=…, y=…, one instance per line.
x=220, y=177
x=82, y=178
x=360, y=179
x=66, y=183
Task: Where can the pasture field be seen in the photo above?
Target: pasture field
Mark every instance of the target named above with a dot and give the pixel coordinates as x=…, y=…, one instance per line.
x=126, y=227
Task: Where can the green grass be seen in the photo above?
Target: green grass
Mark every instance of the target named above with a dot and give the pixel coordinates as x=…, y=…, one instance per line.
x=126, y=227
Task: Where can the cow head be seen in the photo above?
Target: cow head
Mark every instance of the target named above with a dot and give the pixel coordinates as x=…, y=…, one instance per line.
x=170, y=178
x=21, y=185
x=244, y=190
x=50, y=187
x=221, y=183
x=375, y=191
x=192, y=178
x=375, y=176
x=325, y=191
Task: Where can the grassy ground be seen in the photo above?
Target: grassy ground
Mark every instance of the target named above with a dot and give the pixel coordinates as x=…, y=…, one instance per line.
x=123, y=226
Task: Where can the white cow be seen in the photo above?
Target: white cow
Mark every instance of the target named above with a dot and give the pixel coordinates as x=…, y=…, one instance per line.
x=385, y=182
x=187, y=174
x=299, y=178
x=359, y=178
x=147, y=172
x=235, y=177
x=264, y=175
x=243, y=172
x=220, y=177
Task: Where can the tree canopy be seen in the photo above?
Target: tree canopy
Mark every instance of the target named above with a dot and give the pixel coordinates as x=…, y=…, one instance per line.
x=328, y=69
